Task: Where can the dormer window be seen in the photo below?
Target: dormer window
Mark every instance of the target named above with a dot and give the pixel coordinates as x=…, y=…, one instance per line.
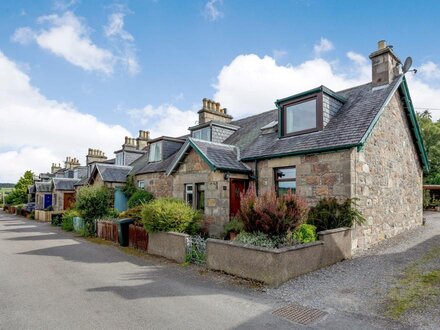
x=155, y=152
x=308, y=112
x=202, y=134
x=302, y=115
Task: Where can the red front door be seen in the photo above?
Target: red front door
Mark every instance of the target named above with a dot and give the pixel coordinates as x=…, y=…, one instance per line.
x=236, y=188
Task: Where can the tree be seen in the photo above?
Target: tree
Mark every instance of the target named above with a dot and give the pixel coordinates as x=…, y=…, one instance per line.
x=20, y=192
x=431, y=136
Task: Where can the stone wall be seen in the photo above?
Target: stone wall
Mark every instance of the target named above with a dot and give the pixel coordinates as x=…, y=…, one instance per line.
x=157, y=183
x=194, y=170
x=317, y=176
x=387, y=179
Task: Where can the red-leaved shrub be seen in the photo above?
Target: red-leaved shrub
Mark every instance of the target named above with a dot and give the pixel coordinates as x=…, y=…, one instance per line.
x=270, y=214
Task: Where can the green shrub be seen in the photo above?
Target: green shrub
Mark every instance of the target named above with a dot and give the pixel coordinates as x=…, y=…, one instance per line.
x=331, y=214
x=139, y=197
x=67, y=221
x=93, y=203
x=269, y=214
x=56, y=219
x=134, y=213
x=235, y=226
x=305, y=234
x=130, y=187
x=32, y=215
x=169, y=214
x=260, y=239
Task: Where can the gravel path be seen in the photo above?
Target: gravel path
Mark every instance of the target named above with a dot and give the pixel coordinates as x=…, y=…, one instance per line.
x=362, y=285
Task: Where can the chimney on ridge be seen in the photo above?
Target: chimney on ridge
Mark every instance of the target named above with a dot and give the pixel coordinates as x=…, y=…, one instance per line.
x=142, y=140
x=385, y=65
x=211, y=111
x=95, y=155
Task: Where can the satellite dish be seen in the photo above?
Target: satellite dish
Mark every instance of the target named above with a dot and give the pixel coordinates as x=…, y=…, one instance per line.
x=407, y=64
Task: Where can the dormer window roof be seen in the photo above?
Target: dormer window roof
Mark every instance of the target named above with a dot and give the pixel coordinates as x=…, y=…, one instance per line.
x=307, y=112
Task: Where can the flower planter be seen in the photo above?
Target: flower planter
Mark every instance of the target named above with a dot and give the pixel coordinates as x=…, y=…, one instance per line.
x=45, y=216
x=107, y=230
x=275, y=266
x=137, y=237
x=168, y=245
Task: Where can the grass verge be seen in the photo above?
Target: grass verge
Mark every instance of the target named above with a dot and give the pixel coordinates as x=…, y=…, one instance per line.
x=417, y=288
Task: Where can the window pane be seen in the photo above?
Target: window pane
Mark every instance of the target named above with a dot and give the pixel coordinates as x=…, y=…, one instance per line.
x=203, y=134
x=155, y=152
x=200, y=196
x=285, y=186
x=286, y=173
x=196, y=134
x=300, y=116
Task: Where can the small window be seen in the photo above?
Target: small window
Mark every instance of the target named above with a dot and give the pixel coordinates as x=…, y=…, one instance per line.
x=202, y=134
x=285, y=180
x=155, y=152
x=141, y=184
x=200, y=196
x=119, y=159
x=189, y=194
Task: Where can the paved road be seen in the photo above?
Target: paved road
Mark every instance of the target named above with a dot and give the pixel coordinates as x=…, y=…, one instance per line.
x=53, y=280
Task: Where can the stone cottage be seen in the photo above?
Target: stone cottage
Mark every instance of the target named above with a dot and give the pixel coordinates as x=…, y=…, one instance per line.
x=63, y=193
x=363, y=142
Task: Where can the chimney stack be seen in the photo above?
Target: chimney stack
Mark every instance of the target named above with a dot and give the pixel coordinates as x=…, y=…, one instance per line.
x=385, y=65
x=70, y=163
x=55, y=168
x=211, y=111
x=95, y=155
x=142, y=140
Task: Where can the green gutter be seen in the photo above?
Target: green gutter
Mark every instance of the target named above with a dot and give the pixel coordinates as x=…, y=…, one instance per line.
x=416, y=129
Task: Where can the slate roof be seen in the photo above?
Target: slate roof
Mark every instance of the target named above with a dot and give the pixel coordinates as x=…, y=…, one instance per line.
x=113, y=173
x=65, y=184
x=142, y=166
x=43, y=186
x=346, y=128
x=219, y=156
x=82, y=182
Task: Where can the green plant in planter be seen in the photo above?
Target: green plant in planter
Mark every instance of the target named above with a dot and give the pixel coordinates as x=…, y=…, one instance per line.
x=234, y=226
x=67, y=221
x=330, y=214
x=305, y=234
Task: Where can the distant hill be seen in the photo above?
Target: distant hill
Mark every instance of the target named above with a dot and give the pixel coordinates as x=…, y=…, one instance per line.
x=7, y=185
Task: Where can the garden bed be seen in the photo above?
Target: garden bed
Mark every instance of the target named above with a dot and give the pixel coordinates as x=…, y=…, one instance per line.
x=137, y=237
x=168, y=245
x=276, y=266
x=107, y=230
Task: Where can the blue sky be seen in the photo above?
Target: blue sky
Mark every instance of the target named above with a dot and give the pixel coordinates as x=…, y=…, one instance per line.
x=147, y=64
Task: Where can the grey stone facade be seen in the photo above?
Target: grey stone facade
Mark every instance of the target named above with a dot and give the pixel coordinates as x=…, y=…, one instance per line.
x=387, y=179
x=157, y=183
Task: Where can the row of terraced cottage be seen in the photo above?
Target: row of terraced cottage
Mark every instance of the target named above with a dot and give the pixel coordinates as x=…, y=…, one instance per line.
x=363, y=142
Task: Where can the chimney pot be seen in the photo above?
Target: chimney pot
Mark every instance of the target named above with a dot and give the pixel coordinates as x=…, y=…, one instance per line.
x=217, y=106
x=381, y=44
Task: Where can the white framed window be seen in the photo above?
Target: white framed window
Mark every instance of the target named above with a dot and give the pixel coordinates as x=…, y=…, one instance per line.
x=155, y=152
x=141, y=184
x=189, y=194
x=202, y=134
x=119, y=158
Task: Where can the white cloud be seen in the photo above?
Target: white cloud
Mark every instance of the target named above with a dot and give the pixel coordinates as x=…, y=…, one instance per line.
x=323, y=46
x=211, y=12
x=278, y=54
x=115, y=27
x=250, y=84
x=40, y=131
x=165, y=119
x=121, y=39
x=68, y=36
x=429, y=70
x=63, y=5
x=23, y=36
